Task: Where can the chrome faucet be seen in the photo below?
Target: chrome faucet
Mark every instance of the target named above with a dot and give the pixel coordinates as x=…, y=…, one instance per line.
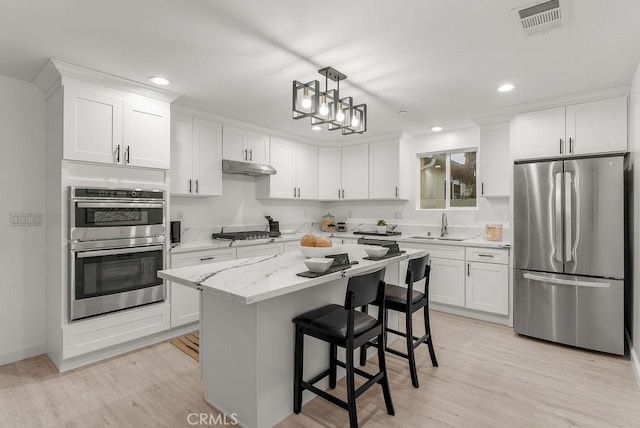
x=443, y=227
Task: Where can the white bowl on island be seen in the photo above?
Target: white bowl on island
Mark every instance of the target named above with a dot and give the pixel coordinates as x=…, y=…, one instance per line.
x=319, y=251
x=318, y=264
x=376, y=251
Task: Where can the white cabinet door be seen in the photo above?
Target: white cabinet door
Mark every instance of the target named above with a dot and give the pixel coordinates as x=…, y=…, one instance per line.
x=233, y=143
x=539, y=134
x=207, y=160
x=307, y=171
x=259, y=250
x=185, y=301
x=329, y=173
x=447, y=281
x=257, y=146
x=384, y=172
x=92, y=125
x=495, y=164
x=283, y=159
x=181, y=154
x=488, y=287
x=145, y=135
x=597, y=127
x=355, y=172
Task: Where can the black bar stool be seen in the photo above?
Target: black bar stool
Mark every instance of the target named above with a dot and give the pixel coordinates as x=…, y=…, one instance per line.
x=407, y=300
x=348, y=328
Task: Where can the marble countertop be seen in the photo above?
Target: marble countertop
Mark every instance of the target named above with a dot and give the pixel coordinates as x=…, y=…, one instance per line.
x=405, y=238
x=255, y=279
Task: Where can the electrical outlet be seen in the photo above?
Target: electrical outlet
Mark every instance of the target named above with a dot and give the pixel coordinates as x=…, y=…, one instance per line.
x=306, y=215
x=349, y=215
x=397, y=214
x=180, y=215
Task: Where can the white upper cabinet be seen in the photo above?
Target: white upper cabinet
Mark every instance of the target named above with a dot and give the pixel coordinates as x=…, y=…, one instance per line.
x=355, y=172
x=495, y=164
x=145, y=135
x=329, y=173
x=297, y=170
x=586, y=128
x=196, y=153
x=92, y=125
x=384, y=170
x=104, y=125
x=597, y=127
x=246, y=146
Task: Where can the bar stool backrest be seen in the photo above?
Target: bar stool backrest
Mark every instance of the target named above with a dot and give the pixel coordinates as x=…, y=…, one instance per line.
x=365, y=290
x=417, y=269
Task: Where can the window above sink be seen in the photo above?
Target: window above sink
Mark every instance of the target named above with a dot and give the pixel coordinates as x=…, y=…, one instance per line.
x=448, y=180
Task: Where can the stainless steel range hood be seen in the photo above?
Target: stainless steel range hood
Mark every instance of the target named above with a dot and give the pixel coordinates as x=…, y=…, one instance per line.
x=246, y=168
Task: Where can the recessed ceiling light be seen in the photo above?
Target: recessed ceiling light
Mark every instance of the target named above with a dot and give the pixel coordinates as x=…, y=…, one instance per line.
x=159, y=80
x=402, y=112
x=436, y=128
x=316, y=128
x=437, y=166
x=506, y=87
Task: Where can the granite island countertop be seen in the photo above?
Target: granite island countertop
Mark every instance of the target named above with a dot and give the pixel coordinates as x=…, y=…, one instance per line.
x=255, y=279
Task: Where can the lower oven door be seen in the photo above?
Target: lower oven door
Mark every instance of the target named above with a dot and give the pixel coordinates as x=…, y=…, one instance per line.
x=108, y=280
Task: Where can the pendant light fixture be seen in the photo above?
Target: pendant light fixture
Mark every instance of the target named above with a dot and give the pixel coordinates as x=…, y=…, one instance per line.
x=326, y=107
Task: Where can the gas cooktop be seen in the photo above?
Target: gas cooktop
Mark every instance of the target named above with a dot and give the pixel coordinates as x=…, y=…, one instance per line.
x=241, y=236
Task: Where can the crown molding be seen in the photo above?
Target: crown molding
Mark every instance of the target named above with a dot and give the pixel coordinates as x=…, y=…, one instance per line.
x=491, y=120
x=51, y=75
x=567, y=100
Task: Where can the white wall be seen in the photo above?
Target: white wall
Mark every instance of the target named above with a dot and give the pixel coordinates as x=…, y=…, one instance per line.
x=22, y=189
x=489, y=210
x=239, y=206
x=634, y=148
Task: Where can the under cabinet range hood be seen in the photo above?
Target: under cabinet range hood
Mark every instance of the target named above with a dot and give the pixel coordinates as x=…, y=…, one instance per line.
x=246, y=168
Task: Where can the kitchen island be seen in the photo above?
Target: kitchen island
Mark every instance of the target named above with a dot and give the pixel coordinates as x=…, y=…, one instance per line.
x=246, y=333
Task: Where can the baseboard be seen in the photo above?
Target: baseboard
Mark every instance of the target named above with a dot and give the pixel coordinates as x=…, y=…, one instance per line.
x=633, y=356
x=470, y=313
x=21, y=354
x=93, y=357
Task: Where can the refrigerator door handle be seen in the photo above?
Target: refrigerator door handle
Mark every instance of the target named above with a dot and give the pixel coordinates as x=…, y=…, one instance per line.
x=560, y=281
x=558, y=218
x=567, y=212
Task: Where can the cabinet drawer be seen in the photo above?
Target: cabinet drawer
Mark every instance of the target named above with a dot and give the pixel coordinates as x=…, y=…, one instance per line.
x=438, y=251
x=204, y=256
x=487, y=255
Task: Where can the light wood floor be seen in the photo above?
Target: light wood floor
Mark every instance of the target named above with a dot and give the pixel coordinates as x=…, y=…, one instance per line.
x=488, y=377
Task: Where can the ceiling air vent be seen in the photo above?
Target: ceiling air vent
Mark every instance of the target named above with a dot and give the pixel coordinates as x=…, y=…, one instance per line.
x=540, y=17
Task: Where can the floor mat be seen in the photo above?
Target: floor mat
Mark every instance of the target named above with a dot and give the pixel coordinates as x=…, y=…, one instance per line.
x=189, y=344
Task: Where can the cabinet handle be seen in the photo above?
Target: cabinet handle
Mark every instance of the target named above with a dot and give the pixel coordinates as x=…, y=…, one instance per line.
x=294, y=192
x=251, y=155
x=338, y=193
x=468, y=269
x=190, y=185
x=561, y=145
x=298, y=192
x=127, y=155
x=246, y=154
x=482, y=187
x=342, y=193
x=396, y=191
x=204, y=259
x=197, y=186
x=118, y=153
x=485, y=255
x=570, y=145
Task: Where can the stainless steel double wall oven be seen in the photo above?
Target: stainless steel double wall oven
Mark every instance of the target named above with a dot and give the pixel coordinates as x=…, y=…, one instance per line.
x=117, y=246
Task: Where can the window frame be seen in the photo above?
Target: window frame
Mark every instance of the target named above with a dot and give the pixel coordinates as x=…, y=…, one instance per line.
x=447, y=196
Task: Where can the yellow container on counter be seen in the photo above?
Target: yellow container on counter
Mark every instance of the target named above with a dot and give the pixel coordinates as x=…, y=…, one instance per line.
x=493, y=232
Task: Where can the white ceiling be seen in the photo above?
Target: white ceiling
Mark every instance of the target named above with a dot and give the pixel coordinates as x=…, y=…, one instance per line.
x=440, y=60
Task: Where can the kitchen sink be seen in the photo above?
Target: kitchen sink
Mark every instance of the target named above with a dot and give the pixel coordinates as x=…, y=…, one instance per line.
x=438, y=238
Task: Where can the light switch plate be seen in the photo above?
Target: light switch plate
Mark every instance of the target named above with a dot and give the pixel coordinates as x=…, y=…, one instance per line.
x=25, y=219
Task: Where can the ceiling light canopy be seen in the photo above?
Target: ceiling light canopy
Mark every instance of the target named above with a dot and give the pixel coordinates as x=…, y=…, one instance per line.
x=326, y=107
x=159, y=80
x=507, y=87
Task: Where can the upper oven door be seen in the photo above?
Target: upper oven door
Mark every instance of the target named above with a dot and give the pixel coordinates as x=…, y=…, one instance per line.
x=94, y=220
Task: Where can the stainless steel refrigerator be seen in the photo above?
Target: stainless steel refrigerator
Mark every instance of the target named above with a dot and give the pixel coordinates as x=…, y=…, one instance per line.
x=569, y=252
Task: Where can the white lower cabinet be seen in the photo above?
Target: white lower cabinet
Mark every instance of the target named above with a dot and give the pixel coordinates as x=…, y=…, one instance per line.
x=185, y=301
x=260, y=250
x=469, y=277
